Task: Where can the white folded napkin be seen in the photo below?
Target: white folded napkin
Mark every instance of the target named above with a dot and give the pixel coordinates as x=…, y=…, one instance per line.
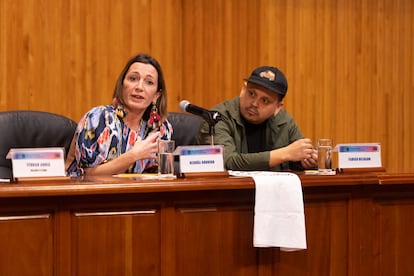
x=279, y=219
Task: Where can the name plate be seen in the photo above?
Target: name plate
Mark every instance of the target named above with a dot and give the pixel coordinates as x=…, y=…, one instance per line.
x=366, y=155
x=200, y=158
x=37, y=162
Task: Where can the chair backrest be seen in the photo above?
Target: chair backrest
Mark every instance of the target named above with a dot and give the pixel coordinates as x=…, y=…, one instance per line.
x=185, y=128
x=32, y=129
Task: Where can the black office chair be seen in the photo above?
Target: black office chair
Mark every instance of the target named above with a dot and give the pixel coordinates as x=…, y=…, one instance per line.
x=32, y=129
x=185, y=128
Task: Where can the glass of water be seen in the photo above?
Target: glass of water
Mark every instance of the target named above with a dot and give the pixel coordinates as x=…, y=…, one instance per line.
x=324, y=155
x=166, y=158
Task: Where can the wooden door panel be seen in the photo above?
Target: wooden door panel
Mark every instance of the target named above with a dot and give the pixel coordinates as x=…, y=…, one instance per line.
x=394, y=226
x=26, y=242
x=214, y=240
x=117, y=242
x=327, y=232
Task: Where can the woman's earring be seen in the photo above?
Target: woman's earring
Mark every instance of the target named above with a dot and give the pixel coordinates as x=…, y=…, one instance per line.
x=155, y=118
x=119, y=109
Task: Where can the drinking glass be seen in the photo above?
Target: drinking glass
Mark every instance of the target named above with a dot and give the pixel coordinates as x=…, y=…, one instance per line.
x=324, y=155
x=166, y=158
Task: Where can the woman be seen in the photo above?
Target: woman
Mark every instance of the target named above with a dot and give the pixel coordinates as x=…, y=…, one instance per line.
x=122, y=137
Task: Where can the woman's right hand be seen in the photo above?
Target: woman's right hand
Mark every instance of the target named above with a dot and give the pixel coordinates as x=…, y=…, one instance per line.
x=146, y=148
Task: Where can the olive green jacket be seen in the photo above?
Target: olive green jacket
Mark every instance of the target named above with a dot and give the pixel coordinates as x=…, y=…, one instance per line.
x=281, y=130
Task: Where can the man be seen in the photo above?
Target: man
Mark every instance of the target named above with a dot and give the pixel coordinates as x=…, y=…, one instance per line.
x=255, y=130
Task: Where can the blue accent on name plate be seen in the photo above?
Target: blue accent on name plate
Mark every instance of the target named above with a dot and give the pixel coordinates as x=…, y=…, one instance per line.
x=358, y=148
x=37, y=155
x=200, y=151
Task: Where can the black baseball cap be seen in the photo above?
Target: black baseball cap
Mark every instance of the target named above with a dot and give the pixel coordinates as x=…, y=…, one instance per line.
x=271, y=78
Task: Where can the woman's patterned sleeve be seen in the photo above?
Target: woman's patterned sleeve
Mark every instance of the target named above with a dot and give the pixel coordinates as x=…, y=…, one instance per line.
x=94, y=140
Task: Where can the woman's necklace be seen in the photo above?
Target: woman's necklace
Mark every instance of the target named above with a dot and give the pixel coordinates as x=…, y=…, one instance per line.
x=136, y=127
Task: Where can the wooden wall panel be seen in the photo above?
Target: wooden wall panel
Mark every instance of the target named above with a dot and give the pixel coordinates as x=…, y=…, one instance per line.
x=349, y=62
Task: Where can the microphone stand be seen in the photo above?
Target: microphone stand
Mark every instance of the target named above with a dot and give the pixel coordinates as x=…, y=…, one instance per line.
x=212, y=118
x=211, y=132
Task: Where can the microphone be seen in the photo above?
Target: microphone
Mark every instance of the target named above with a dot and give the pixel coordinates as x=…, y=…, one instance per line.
x=212, y=117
